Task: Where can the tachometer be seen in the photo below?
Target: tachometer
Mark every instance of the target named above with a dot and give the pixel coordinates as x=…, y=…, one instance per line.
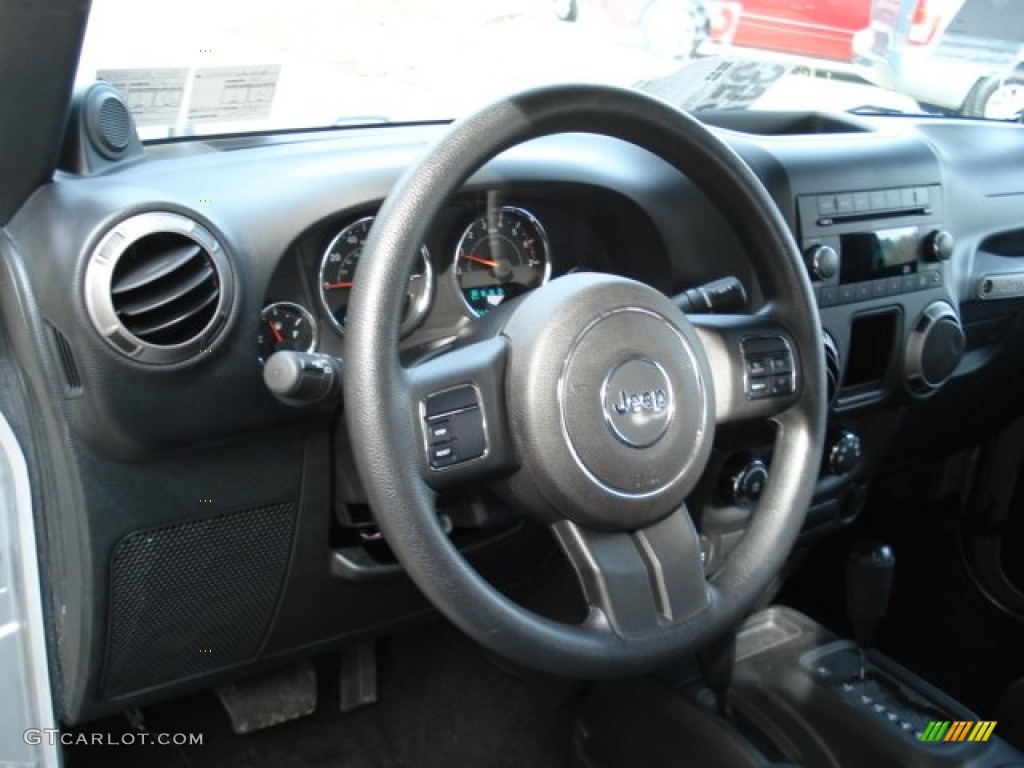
x=338, y=269
x=502, y=254
x=285, y=325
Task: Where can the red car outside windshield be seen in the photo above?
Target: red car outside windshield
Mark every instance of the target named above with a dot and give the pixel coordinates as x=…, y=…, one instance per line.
x=813, y=28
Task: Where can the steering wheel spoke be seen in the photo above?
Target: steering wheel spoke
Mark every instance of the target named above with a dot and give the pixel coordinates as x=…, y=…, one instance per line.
x=458, y=399
x=638, y=582
x=754, y=362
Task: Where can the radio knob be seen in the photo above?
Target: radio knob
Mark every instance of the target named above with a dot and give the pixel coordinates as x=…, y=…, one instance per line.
x=822, y=261
x=934, y=348
x=938, y=246
x=845, y=453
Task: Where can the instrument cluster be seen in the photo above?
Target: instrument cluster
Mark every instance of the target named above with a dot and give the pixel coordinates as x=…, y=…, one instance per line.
x=480, y=255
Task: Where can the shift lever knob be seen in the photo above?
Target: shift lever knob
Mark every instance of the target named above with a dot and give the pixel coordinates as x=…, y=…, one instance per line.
x=868, y=583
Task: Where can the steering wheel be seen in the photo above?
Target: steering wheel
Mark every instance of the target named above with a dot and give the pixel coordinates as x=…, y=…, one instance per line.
x=592, y=401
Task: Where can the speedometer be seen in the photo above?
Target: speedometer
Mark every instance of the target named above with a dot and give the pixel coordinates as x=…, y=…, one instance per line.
x=338, y=274
x=502, y=254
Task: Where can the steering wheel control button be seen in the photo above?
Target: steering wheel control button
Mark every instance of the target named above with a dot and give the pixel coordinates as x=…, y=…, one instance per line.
x=782, y=385
x=757, y=367
x=453, y=424
x=638, y=401
x=758, y=388
x=443, y=454
x=439, y=431
x=770, y=368
x=450, y=401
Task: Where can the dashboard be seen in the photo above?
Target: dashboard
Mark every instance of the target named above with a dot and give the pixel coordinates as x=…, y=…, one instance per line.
x=191, y=506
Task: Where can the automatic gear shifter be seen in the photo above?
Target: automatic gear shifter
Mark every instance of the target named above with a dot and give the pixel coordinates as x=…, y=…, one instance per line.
x=868, y=583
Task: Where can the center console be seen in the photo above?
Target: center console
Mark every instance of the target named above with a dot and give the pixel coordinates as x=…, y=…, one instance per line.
x=796, y=699
x=880, y=263
x=799, y=686
x=877, y=262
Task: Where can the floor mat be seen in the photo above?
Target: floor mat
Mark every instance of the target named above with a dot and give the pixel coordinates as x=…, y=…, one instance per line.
x=443, y=702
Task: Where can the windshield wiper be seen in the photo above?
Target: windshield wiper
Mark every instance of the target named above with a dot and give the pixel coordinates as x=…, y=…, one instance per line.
x=358, y=120
x=875, y=109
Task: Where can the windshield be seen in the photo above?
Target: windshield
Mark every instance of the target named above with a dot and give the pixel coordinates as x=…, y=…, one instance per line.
x=194, y=67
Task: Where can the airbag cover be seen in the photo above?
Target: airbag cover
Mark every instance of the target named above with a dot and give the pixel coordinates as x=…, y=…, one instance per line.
x=611, y=393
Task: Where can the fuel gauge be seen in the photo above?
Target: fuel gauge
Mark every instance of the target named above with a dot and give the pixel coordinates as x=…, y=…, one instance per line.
x=286, y=325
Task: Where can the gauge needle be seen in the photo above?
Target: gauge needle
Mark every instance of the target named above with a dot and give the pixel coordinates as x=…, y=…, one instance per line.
x=478, y=260
x=332, y=286
x=278, y=336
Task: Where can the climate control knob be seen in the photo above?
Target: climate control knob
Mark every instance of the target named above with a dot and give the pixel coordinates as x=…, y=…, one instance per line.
x=938, y=246
x=845, y=453
x=822, y=261
x=745, y=482
x=934, y=348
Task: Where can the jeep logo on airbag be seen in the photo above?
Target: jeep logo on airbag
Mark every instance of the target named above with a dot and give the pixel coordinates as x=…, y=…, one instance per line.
x=634, y=402
x=636, y=398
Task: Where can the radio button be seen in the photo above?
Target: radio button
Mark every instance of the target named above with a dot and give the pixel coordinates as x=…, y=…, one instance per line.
x=844, y=203
x=847, y=294
x=829, y=296
x=907, y=197
x=895, y=285
x=822, y=261
x=880, y=288
x=826, y=205
x=909, y=283
x=921, y=196
x=861, y=202
x=878, y=200
x=938, y=246
x=892, y=199
x=863, y=291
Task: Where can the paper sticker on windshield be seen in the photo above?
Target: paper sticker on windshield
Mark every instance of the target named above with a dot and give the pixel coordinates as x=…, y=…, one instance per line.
x=153, y=95
x=233, y=93
x=717, y=83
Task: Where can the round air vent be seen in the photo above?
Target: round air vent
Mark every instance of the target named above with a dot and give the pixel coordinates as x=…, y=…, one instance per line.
x=158, y=287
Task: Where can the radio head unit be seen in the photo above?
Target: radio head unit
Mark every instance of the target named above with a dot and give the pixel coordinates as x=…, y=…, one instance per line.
x=873, y=243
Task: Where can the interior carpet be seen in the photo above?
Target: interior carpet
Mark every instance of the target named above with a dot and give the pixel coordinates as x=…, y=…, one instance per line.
x=443, y=701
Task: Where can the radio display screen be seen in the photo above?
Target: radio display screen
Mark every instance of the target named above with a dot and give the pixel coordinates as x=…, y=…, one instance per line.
x=887, y=252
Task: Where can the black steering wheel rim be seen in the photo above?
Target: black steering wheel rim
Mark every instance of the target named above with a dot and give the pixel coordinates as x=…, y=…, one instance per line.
x=379, y=409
